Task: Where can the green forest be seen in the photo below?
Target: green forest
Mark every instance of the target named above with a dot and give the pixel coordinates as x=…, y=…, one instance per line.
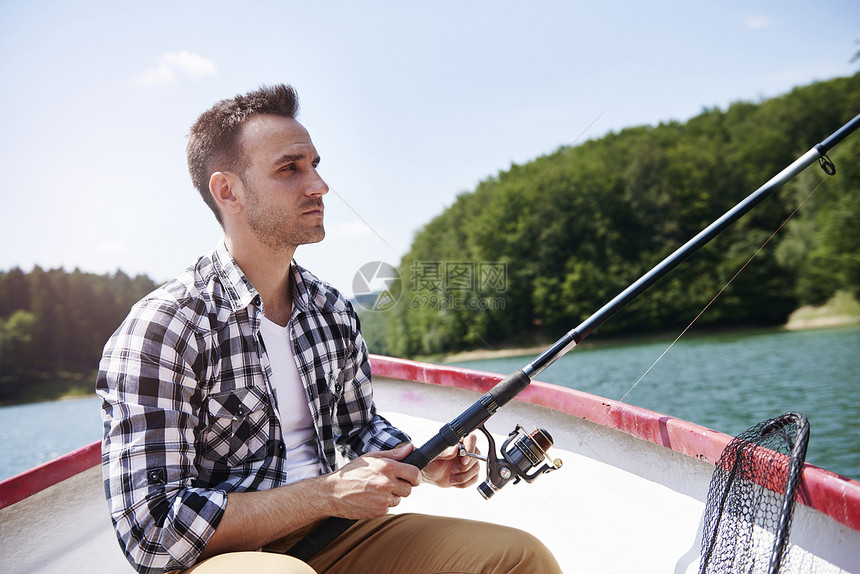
x=536, y=249
x=53, y=327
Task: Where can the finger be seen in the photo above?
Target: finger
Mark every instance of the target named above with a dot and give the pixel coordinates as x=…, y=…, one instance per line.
x=471, y=442
x=467, y=462
x=464, y=479
x=407, y=474
x=469, y=467
x=468, y=444
x=449, y=453
x=399, y=452
x=401, y=489
x=471, y=482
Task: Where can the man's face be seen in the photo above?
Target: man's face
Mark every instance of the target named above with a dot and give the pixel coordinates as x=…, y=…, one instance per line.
x=282, y=189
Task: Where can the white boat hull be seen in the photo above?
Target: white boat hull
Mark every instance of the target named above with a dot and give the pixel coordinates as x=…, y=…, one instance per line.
x=629, y=498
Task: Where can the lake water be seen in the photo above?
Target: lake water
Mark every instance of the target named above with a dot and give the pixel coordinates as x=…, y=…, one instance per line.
x=729, y=382
x=38, y=432
x=726, y=382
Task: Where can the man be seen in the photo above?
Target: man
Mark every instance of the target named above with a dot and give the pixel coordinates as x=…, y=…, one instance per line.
x=228, y=390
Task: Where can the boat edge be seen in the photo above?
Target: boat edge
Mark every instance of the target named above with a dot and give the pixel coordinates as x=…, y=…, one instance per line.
x=827, y=492
x=37, y=479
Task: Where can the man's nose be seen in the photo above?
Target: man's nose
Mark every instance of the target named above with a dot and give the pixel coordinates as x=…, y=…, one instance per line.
x=318, y=186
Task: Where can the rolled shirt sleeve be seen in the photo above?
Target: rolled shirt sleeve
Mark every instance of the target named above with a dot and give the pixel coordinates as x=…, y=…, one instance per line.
x=151, y=410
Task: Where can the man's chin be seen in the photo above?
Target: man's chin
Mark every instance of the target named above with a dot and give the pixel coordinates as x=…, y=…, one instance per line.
x=315, y=237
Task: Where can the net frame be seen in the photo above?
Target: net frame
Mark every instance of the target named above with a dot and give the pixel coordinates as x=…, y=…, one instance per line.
x=751, y=497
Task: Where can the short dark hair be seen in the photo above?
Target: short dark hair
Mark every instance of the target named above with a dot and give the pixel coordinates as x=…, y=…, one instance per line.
x=213, y=143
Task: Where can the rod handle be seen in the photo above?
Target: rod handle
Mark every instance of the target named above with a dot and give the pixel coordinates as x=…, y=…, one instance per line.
x=449, y=435
x=320, y=537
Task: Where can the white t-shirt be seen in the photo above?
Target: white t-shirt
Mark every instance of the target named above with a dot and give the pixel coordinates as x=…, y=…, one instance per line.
x=297, y=426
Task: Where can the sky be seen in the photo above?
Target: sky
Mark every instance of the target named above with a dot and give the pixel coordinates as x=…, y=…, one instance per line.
x=408, y=103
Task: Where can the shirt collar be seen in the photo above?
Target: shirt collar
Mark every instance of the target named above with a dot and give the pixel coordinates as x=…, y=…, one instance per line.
x=238, y=289
x=311, y=293
x=308, y=291
x=301, y=297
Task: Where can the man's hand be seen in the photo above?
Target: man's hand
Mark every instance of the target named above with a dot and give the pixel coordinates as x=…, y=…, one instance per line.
x=372, y=483
x=364, y=488
x=451, y=469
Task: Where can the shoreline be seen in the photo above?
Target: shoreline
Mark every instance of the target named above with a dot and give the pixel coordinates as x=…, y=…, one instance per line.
x=805, y=318
x=802, y=323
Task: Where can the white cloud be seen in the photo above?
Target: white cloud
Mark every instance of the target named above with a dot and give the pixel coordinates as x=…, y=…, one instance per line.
x=195, y=65
x=757, y=21
x=172, y=66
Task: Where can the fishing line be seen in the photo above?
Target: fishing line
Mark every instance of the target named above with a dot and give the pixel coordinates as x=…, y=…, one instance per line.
x=474, y=417
x=357, y=214
x=830, y=170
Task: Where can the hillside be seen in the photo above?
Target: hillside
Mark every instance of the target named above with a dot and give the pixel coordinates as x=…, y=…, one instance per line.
x=535, y=249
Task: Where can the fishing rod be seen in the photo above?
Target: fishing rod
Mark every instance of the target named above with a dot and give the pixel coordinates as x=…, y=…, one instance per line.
x=530, y=449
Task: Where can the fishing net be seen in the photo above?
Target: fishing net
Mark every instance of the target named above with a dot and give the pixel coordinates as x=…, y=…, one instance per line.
x=751, y=498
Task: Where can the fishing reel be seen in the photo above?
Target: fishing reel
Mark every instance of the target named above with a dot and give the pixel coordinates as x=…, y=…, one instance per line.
x=520, y=453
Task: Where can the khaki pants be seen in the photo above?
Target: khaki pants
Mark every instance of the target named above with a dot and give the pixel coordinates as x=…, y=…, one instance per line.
x=402, y=544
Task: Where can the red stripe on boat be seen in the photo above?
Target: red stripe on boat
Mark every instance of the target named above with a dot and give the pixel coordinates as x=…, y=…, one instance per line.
x=36, y=479
x=825, y=491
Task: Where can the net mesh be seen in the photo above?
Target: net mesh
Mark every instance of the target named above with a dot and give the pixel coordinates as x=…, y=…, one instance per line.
x=751, y=498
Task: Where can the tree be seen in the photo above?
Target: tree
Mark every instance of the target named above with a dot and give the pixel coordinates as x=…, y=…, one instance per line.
x=17, y=333
x=54, y=325
x=573, y=228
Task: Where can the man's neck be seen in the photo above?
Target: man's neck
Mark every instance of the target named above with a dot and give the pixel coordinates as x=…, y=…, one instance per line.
x=269, y=273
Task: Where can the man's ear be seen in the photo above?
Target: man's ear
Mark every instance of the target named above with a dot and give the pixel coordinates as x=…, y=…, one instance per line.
x=221, y=186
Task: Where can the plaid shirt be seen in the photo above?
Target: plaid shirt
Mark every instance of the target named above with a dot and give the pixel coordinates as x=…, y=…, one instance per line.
x=188, y=409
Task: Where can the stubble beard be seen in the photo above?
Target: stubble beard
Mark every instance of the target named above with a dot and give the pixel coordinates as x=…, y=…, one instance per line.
x=277, y=230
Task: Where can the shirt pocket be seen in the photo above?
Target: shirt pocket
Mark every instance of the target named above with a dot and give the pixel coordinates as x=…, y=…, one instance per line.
x=238, y=426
